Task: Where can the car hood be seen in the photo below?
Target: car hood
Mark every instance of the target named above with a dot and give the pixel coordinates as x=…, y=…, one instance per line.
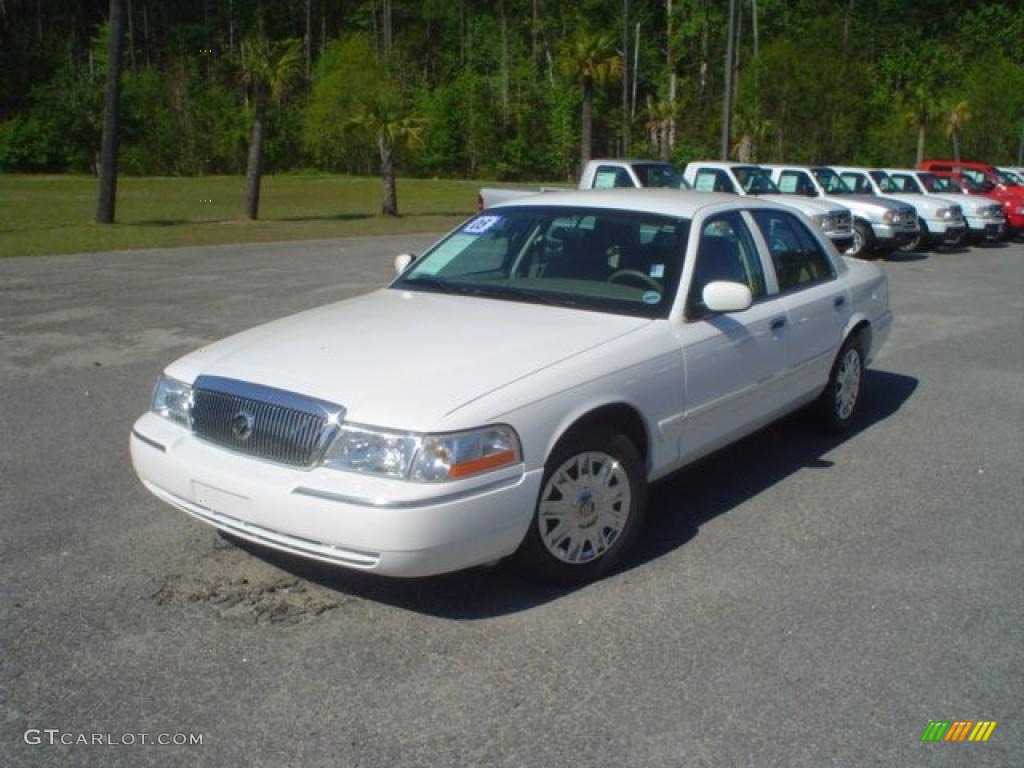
x=806, y=205
x=870, y=202
x=927, y=203
x=406, y=359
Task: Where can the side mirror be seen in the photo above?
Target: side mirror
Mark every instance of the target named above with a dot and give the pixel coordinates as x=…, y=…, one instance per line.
x=402, y=262
x=720, y=296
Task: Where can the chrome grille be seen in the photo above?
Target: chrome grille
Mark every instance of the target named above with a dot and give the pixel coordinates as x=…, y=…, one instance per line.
x=844, y=221
x=263, y=422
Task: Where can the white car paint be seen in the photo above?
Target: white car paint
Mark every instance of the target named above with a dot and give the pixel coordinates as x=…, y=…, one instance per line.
x=416, y=361
x=941, y=221
x=835, y=220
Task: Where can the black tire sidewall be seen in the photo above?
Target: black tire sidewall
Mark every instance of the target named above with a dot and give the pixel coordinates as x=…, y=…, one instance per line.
x=533, y=556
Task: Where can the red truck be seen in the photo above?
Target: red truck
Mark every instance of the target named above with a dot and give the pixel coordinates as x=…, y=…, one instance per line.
x=984, y=179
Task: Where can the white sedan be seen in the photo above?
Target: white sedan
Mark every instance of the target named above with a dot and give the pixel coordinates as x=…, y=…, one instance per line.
x=518, y=387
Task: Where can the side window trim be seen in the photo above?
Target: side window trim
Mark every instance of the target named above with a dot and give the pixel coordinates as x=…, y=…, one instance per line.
x=764, y=253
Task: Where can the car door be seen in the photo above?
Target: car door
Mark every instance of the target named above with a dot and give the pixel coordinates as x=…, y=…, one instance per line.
x=732, y=361
x=813, y=299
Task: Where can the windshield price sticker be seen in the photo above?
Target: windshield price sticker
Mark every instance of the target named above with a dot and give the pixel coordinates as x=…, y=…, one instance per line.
x=481, y=224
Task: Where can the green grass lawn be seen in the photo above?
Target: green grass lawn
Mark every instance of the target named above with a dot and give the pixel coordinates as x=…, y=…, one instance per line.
x=53, y=214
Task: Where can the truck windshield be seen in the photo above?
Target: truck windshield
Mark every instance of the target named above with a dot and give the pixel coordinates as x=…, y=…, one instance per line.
x=830, y=182
x=659, y=175
x=885, y=184
x=858, y=182
x=939, y=184
x=621, y=262
x=1009, y=177
x=904, y=182
x=755, y=181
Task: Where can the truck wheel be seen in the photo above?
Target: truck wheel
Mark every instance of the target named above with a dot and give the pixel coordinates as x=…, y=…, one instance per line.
x=591, y=506
x=863, y=241
x=920, y=241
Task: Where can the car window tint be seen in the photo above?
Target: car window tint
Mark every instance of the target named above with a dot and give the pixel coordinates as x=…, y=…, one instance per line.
x=608, y=177
x=713, y=180
x=726, y=252
x=858, y=183
x=796, y=254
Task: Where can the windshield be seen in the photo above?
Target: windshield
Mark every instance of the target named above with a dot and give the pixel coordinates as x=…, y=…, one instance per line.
x=940, y=184
x=977, y=181
x=621, y=262
x=659, y=175
x=755, y=181
x=904, y=182
x=1009, y=177
x=830, y=182
x=858, y=182
x=885, y=184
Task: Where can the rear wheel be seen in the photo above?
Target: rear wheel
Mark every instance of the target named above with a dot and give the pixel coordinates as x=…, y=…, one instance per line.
x=591, y=505
x=838, y=404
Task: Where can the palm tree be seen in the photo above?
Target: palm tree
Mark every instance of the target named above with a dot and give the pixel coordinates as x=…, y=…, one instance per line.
x=920, y=111
x=592, y=60
x=385, y=119
x=955, y=118
x=268, y=70
x=107, y=197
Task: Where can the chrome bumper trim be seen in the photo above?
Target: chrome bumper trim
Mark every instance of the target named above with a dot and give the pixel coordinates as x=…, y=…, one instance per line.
x=432, y=501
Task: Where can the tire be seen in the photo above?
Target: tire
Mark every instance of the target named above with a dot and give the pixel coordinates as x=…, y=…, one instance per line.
x=597, y=530
x=838, y=404
x=863, y=241
x=919, y=243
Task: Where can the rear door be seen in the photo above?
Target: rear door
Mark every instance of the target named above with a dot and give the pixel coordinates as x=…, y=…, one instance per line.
x=813, y=299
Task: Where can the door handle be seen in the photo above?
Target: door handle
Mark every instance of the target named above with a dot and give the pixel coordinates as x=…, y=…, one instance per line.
x=839, y=302
x=778, y=323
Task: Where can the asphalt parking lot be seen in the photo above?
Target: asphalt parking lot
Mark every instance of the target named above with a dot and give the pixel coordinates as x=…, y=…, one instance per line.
x=796, y=601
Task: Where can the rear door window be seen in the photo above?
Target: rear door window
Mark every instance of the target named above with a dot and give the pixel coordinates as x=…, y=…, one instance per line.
x=796, y=254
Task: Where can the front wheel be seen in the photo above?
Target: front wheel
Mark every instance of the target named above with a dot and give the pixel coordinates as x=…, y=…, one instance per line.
x=592, y=501
x=837, y=405
x=920, y=241
x=863, y=241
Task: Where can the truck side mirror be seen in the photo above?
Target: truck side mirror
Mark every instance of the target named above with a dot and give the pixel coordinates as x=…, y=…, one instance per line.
x=402, y=262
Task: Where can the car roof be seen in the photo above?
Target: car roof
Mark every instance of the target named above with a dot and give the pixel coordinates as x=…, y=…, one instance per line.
x=667, y=202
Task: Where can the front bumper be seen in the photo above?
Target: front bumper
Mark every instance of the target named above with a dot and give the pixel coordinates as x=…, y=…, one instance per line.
x=888, y=236
x=985, y=229
x=389, y=527
x=941, y=232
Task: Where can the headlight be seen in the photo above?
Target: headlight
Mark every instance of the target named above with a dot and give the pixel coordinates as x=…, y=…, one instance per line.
x=172, y=399
x=1020, y=210
x=891, y=217
x=943, y=213
x=376, y=452
x=423, y=458
x=826, y=221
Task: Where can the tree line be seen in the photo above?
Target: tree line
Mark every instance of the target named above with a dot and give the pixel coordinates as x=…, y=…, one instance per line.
x=508, y=89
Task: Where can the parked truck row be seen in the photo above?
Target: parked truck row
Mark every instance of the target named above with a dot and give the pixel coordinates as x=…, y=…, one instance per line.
x=865, y=212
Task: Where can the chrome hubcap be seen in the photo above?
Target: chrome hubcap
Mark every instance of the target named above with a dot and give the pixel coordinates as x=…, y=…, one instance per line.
x=858, y=243
x=848, y=383
x=584, y=507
